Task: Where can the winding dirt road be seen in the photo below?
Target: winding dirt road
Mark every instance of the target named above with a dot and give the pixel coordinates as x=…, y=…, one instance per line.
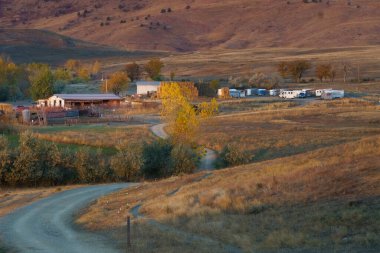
x=207, y=162
x=47, y=226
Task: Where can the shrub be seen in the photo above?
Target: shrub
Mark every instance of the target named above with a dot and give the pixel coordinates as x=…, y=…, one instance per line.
x=156, y=159
x=5, y=159
x=184, y=159
x=233, y=155
x=91, y=168
x=127, y=163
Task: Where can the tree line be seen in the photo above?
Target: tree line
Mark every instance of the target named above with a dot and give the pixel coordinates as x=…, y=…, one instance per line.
x=40, y=163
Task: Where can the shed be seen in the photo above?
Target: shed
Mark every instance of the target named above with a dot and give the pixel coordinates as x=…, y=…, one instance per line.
x=146, y=87
x=82, y=100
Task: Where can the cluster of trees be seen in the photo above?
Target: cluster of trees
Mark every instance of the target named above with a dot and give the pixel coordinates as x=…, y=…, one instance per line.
x=323, y=71
x=38, y=80
x=258, y=80
x=13, y=80
x=39, y=163
x=152, y=68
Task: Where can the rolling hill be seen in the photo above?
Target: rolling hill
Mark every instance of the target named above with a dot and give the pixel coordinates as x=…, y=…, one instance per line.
x=32, y=45
x=191, y=25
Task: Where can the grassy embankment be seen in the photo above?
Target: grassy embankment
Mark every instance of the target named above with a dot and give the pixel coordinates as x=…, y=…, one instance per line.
x=326, y=198
x=103, y=137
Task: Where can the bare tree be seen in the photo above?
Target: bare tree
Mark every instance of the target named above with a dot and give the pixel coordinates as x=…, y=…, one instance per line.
x=347, y=69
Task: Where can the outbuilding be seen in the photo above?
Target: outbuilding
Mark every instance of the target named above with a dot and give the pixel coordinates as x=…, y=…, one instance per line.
x=80, y=100
x=147, y=87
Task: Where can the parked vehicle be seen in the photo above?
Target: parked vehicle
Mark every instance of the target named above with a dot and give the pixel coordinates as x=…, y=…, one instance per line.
x=332, y=94
x=318, y=93
x=291, y=94
x=262, y=92
x=274, y=92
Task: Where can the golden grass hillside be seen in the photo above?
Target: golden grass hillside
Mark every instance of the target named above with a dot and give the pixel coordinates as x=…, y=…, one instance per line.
x=325, y=200
x=204, y=24
x=275, y=133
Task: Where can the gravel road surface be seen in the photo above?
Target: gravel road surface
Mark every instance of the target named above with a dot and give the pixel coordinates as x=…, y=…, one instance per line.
x=47, y=226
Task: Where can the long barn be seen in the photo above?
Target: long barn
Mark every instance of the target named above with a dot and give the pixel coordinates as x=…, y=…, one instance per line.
x=80, y=100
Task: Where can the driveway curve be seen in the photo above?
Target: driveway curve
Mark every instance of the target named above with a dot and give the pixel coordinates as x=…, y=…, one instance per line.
x=47, y=226
x=207, y=162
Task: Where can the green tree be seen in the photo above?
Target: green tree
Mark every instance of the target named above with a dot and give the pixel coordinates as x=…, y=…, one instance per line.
x=133, y=71
x=157, y=157
x=42, y=81
x=128, y=161
x=233, y=155
x=62, y=74
x=27, y=170
x=184, y=159
x=5, y=158
x=153, y=68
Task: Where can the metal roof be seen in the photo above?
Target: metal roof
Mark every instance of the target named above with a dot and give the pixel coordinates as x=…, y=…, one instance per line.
x=148, y=83
x=90, y=97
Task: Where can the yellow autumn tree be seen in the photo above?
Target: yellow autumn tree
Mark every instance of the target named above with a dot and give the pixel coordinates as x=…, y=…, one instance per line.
x=118, y=82
x=182, y=116
x=96, y=68
x=72, y=65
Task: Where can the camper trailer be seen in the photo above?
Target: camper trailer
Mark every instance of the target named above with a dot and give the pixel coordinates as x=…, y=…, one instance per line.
x=332, y=94
x=291, y=94
x=234, y=93
x=318, y=93
x=250, y=92
x=274, y=92
x=261, y=92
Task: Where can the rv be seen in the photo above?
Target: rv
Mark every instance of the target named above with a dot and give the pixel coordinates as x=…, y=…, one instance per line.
x=274, y=92
x=291, y=94
x=261, y=92
x=318, y=93
x=234, y=93
x=332, y=94
x=250, y=92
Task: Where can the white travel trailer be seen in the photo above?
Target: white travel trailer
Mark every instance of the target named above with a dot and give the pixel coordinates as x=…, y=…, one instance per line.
x=318, y=93
x=291, y=94
x=332, y=94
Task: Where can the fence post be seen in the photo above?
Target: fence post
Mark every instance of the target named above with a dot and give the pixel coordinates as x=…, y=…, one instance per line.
x=128, y=231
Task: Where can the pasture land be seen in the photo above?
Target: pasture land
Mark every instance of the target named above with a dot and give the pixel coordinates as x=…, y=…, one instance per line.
x=276, y=133
x=322, y=200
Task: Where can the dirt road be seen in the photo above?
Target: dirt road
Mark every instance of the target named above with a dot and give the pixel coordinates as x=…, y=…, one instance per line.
x=46, y=226
x=207, y=162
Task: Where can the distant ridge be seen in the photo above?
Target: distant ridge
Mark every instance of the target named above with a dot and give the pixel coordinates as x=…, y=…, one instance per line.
x=192, y=25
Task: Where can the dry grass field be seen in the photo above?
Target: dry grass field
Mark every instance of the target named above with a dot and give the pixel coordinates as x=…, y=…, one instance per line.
x=313, y=188
x=102, y=136
x=324, y=200
x=281, y=132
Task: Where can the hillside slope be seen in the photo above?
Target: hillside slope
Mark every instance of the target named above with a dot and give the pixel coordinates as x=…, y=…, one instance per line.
x=32, y=45
x=192, y=25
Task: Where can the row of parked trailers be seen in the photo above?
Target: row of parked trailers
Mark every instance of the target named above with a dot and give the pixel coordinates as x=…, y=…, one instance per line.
x=287, y=94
